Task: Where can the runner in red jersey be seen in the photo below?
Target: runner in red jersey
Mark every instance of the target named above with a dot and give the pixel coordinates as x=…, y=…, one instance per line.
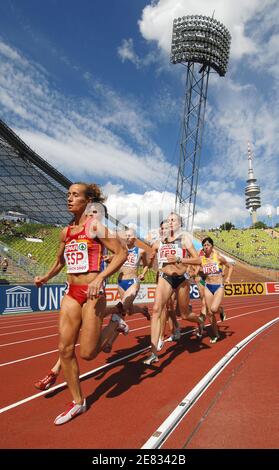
x=96, y=211
x=84, y=304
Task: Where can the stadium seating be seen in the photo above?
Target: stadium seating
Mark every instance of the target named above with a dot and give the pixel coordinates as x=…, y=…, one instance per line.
x=35, y=258
x=29, y=258
x=254, y=246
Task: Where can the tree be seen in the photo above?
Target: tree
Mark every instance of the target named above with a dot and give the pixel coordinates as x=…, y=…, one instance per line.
x=259, y=224
x=227, y=226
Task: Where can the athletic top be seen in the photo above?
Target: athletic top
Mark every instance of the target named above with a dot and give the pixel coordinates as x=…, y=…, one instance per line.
x=211, y=265
x=82, y=254
x=133, y=258
x=174, y=248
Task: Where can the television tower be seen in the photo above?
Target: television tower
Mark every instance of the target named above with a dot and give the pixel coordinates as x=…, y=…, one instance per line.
x=201, y=44
x=252, y=190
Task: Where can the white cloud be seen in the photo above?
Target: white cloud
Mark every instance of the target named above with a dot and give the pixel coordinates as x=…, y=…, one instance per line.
x=242, y=106
x=157, y=19
x=111, y=139
x=145, y=210
x=83, y=157
x=126, y=52
x=11, y=53
x=267, y=210
x=217, y=204
x=242, y=115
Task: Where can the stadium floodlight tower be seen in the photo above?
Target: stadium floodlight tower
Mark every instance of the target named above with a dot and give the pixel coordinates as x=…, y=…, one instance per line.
x=202, y=44
x=252, y=190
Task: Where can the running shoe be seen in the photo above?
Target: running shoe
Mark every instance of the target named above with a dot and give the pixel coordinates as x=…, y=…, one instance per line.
x=198, y=334
x=122, y=325
x=47, y=381
x=214, y=339
x=223, y=315
x=150, y=359
x=160, y=344
x=73, y=410
x=199, y=330
x=175, y=336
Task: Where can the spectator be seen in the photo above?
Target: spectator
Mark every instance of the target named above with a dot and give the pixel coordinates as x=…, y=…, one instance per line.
x=4, y=265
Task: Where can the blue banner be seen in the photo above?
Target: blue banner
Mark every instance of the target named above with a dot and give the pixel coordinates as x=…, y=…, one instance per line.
x=28, y=298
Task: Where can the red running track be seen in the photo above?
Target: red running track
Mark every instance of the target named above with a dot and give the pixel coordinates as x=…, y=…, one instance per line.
x=128, y=401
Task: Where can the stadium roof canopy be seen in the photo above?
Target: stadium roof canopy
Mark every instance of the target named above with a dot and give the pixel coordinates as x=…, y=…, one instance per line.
x=28, y=184
x=31, y=186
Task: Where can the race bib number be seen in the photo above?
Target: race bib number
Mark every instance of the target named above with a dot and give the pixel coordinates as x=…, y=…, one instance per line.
x=211, y=268
x=168, y=249
x=131, y=261
x=76, y=257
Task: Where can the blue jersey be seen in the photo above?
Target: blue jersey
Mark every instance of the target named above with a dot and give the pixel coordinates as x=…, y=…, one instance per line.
x=133, y=258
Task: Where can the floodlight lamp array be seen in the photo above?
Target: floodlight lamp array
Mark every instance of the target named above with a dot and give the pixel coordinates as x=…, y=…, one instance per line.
x=201, y=39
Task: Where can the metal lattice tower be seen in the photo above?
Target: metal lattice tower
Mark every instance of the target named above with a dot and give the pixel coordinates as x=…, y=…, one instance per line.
x=200, y=43
x=252, y=190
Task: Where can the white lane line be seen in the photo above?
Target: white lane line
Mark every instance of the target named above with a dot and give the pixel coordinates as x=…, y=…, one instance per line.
x=168, y=426
x=40, y=394
x=56, y=325
x=128, y=321
x=37, y=395
x=24, y=316
x=24, y=331
x=29, y=323
x=27, y=358
x=135, y=329
x=28, y=340
x=49, y=352
x=12, y=319
x=49, y=336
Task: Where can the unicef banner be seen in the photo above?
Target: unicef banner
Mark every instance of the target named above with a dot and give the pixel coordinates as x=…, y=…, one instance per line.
x=27, y=298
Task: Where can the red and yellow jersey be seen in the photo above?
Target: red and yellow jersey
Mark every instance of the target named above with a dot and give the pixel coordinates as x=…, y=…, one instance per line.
x=82, y=254
x=210, y=264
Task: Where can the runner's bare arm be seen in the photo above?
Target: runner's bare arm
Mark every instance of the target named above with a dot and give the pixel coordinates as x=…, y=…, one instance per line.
x=57, y=265
x=113, y=244
x=153, y=253
x=230, y=267
x=144, y=246
x=145, y=265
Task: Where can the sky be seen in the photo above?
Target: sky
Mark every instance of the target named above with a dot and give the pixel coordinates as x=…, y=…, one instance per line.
x=89, y=86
